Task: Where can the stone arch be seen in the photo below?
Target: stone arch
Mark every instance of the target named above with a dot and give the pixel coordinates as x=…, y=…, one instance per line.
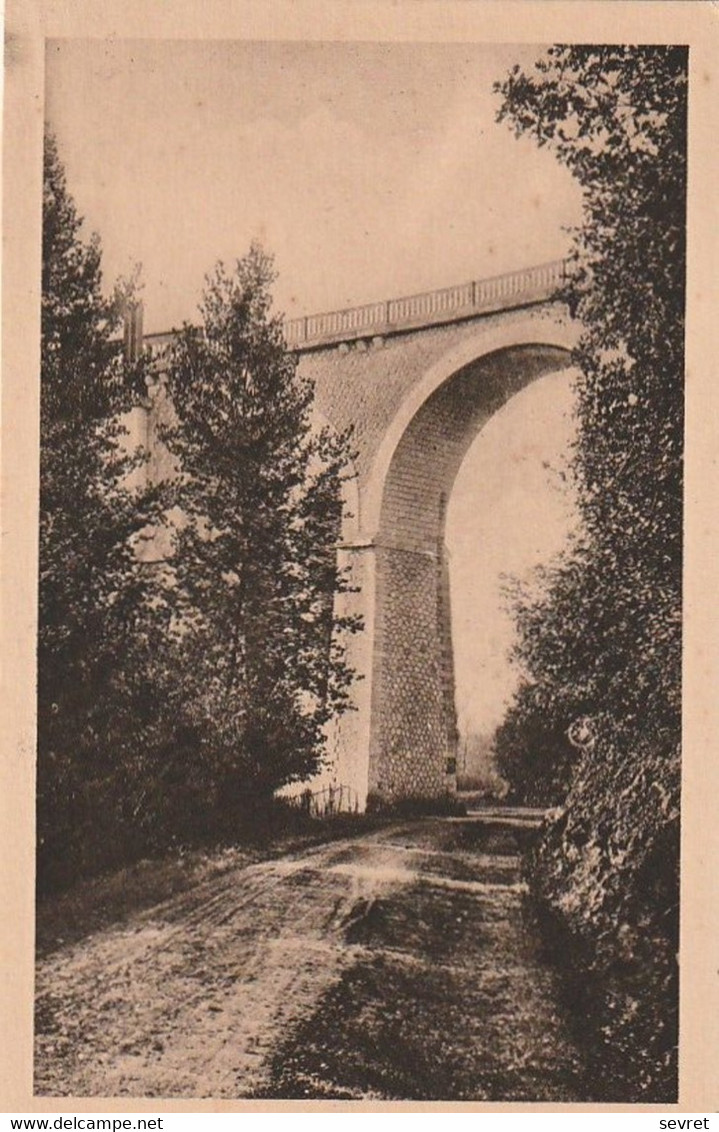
x=539, y=329
x=412, y=724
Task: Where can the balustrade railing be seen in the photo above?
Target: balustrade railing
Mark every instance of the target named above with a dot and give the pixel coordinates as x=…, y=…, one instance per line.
x=532, y=284
x=512, y=289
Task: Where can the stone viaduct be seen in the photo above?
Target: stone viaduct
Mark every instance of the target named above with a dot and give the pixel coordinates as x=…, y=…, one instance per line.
x=417, y=378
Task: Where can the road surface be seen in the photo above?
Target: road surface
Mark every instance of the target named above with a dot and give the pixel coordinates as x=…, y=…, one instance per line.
x=397, y=964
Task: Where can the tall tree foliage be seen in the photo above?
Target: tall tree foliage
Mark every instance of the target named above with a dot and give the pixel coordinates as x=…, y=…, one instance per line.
x=92, y=594
x=604, y=639
x=255, y=563
x=617, y=118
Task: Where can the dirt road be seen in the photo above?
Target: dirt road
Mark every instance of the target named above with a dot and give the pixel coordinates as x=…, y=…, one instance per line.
x=397, y=964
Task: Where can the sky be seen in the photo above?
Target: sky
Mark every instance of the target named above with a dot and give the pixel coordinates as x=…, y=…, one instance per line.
x=369, y=171
x=512, y=509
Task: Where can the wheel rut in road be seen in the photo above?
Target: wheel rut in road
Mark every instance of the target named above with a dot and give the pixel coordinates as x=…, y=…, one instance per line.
x=398, y=965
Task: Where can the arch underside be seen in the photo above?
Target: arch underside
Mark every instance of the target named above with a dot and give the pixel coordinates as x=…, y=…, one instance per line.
x=413, y=727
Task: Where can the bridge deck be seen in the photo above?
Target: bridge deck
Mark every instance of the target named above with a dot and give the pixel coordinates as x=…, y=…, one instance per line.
x=429, y=308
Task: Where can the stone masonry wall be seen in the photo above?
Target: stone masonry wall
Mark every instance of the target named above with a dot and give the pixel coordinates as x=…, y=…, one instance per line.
x=412, y=720
x=363, y=384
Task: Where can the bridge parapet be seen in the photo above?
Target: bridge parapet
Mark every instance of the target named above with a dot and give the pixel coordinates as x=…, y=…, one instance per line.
x=393, y=316
x=428, y=308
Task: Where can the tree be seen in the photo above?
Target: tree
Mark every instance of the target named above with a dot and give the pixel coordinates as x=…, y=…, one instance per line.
x=617, y=118
x=531, y=748
x=255, y=570
x=605, y=636
x=93, y=596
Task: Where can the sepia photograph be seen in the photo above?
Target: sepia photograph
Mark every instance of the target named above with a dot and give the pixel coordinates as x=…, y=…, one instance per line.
x=360, y=570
